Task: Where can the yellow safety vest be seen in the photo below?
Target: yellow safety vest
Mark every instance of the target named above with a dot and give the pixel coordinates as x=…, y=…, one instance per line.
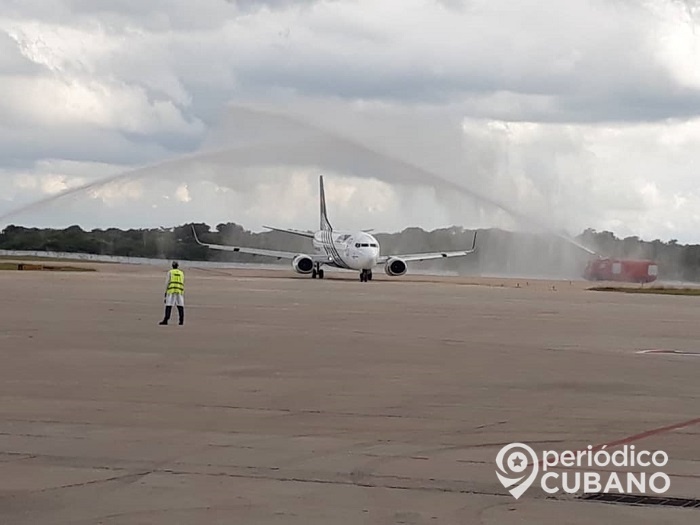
x=176, y=284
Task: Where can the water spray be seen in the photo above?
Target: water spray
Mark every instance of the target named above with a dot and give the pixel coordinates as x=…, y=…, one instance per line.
x=320, y=147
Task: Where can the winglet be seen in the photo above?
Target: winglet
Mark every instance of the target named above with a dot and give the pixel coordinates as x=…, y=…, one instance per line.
x=474, y=241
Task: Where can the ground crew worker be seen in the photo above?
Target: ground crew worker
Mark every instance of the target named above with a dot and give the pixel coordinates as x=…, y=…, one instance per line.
x=174, y=293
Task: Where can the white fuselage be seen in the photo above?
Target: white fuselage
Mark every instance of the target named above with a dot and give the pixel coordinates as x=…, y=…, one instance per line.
x=349, y=250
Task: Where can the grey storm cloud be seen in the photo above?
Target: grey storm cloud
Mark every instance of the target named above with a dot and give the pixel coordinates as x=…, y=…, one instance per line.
x=600, y=64
x=585, y=108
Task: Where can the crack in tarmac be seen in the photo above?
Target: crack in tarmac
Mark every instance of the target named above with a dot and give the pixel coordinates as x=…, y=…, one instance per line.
x=347, y=482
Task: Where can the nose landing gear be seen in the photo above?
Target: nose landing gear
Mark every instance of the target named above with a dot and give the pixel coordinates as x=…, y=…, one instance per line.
x=317, y=272
x=365, y=275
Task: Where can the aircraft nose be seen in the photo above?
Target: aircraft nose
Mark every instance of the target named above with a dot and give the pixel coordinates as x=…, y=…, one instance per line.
x=369, y=258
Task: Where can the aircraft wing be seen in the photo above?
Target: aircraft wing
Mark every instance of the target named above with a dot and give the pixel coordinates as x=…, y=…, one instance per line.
x=415, y=257
x=308, y=235
x=259, y=251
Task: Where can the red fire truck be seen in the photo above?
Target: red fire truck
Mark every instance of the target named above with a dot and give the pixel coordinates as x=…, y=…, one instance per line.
x=627, y=270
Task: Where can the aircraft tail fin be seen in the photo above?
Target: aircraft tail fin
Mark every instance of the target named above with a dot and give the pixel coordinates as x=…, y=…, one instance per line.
x=325, y=224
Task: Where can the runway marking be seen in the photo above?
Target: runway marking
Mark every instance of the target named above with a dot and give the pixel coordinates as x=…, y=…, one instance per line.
x=648, y=433
x=637, y=437
x=663, y=351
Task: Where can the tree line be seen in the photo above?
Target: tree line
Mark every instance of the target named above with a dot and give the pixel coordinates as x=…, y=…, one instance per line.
x=499, y=252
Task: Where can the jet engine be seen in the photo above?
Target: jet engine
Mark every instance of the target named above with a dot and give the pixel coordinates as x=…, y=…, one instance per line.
x=395, y=267
x=303, y=264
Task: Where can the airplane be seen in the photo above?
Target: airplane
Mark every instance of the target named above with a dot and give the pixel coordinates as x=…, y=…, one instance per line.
x=347, y=250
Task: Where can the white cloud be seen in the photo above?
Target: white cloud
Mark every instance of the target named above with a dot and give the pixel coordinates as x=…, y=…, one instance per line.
x=52, y=176
x=123, y=194
x=60, y=48
x=182, y=193
x=46, y=184
x=50, y=101
x=679, y=40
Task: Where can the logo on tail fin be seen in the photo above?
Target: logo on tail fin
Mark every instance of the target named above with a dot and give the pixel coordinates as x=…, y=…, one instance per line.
x=325, y=224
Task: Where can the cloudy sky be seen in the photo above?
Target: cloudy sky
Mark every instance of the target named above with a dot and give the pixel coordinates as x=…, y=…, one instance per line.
x=516, y=114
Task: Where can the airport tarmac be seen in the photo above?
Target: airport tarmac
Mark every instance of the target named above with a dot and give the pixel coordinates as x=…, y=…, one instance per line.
x=287, y=400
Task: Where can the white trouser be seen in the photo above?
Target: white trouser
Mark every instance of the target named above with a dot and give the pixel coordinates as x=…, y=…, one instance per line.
x=174, y=299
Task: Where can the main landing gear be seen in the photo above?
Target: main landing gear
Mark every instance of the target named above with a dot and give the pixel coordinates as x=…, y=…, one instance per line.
x=365, y=275
x=317, y=272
